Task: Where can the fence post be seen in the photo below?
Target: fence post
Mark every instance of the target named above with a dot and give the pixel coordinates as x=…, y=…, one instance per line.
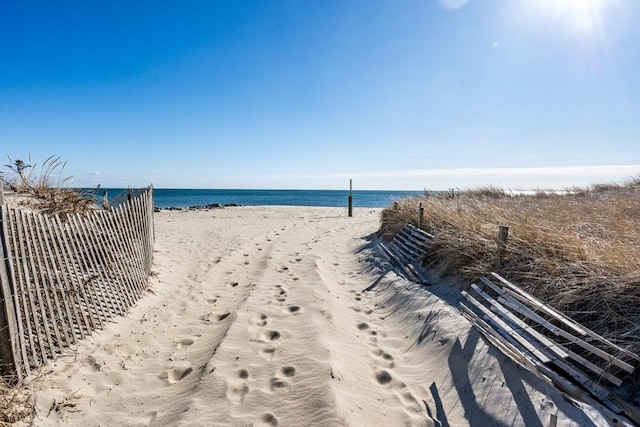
x=503, y=234
x=420, y=215
x=8, y=321
x=350, y=198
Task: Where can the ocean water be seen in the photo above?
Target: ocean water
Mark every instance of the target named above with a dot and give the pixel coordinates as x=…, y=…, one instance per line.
x=184, y=198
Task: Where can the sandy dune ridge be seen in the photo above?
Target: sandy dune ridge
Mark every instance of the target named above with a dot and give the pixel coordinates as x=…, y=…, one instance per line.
x=288, y=316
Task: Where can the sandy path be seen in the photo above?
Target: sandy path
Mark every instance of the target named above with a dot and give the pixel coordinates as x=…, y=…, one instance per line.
x=259, y=316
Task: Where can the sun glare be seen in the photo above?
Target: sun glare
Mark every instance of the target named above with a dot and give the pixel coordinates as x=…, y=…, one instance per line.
x=579, y=16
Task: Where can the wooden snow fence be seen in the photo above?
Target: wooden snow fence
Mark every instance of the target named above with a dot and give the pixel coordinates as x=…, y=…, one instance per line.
x=406, y=251
x=565, y=353
x=62, y=278
x=573, y=358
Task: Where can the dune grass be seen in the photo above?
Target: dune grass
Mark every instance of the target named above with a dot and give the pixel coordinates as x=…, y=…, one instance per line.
x=45, y=189
x=578, y=251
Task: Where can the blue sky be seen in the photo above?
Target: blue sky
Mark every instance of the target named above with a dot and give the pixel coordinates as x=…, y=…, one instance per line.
x=308, y=94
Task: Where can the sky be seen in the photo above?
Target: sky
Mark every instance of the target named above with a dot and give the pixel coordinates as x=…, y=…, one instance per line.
x=307, y=94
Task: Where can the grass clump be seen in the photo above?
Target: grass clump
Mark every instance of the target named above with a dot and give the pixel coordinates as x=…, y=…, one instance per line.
x=46, y=190
x=15, y=404
x=578, y=251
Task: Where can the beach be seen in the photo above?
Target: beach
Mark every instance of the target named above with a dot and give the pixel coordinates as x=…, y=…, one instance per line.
x=289, y=316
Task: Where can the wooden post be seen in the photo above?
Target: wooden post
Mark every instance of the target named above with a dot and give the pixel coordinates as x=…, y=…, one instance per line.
x=1, y=193
x=503, y=234
x=350, y=198
x=420, y=215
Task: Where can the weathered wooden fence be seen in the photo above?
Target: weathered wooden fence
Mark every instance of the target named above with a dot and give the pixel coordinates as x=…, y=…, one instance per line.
x=62, y=278
x=551, y=345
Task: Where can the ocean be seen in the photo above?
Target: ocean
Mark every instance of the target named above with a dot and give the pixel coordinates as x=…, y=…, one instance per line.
x=184, y=198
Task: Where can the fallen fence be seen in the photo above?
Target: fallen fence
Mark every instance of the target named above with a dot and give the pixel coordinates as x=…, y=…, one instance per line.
x=554, y=347
x=62, y=278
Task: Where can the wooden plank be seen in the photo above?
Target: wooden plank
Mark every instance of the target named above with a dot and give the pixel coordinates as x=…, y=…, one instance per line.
x=63, y=314
x=151, y=226
x=536, y=351
x=96, y=292
x=392, y=257
x=502, y=340
x=84, y=276
x=415, y=250
x=111, y=249
x=508, y=300
x=29, y=294
x=10, y=261
x=65, y=287
x=573, y=372
x=523, y=327
x=576, y=340
x=520, y=308
x=128, y=245
x=25, y=318
x=515, y=305
x=75, y=291
x=417, y=240
x=112, y=275
x=421, y=232
x=136, y=225
x=103, y=264
x=39, y=274
x=9, y=338
x=541, y=306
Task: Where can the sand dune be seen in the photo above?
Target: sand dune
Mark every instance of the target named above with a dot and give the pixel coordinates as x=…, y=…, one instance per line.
x=288, y=316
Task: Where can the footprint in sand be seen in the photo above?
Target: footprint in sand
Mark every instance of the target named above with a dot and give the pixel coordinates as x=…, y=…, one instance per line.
x=260, y=319
x=184, y=343
x=384, y=359
x=267, y=352
x=214, y=317
x=383, y=377
x=237, y=392
x=267, y=419
x=294, y=309
x=270, y=335
x=288, y=371
x=174, y=375
x=363, y=326
x=211, y=300
x=277, y=383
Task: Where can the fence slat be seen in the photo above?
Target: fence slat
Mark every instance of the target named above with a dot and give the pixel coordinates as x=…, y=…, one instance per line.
x=40, y=283
x=94, y=250
x=23, y=285
x=6, y=230
x=9, y=350
x=53, y=276
x=75, y=291
x=114, y=246
x=66, y=289
x=92, y=282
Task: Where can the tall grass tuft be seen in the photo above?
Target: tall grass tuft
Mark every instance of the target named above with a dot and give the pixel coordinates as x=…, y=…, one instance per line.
x=45, y=189
x=578, y=251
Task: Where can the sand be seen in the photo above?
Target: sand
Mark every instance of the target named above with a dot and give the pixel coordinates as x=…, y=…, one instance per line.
x=288, y=316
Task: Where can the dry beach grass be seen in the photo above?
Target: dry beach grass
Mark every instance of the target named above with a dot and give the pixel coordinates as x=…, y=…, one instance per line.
x=578, y=251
